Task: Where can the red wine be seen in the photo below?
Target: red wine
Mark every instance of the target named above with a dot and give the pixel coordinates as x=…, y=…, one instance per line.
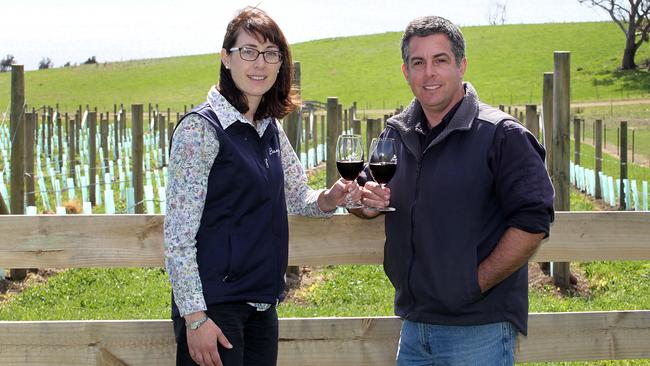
x=349, y=170
x=382, y=172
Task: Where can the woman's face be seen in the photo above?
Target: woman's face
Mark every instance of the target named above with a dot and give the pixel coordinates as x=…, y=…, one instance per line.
x=253, y=78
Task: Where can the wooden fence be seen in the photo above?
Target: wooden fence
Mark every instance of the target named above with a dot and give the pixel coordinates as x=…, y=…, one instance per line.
x=136, y=240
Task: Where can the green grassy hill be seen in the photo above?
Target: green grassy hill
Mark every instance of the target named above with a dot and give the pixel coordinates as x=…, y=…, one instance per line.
x=505, y=64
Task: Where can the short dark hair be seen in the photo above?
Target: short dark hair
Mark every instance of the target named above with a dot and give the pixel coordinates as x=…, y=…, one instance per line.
x=426, y=26
x=282, y=98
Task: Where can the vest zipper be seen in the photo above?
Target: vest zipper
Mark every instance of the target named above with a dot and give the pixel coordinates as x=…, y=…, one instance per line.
x=410, y=267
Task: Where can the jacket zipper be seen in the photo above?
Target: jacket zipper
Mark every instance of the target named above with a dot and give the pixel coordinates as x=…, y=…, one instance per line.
x=410, y=267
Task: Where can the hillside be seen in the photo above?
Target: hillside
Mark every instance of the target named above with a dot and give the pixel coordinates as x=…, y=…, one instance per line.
x=505, y=64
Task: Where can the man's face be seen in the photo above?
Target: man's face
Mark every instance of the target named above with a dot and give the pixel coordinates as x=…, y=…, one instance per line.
x=432, y=74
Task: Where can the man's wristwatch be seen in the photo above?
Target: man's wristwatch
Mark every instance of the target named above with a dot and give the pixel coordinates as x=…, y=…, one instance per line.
x=197, y=323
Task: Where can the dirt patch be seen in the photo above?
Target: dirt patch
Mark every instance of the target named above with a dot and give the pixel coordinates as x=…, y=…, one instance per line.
x=537, y=279
x=9, y=288
x=298, y=283
x=540, y=280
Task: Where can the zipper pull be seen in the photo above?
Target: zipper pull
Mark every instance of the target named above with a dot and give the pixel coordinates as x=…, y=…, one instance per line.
x=266, y=161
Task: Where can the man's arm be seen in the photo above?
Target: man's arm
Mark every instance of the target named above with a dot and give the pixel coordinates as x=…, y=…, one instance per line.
x=513, y=251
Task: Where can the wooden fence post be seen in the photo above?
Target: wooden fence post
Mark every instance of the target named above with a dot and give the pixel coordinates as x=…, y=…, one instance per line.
x=17, y=133
x=598, y=140
x=103, y=125
x=77, y=129
x=532, y=122
x=561, y=150
x=162, y=143
x=547, y=113
x=292, y=121
x=29, y=158
x=59, y=140
x=72, y=145
x=122, y=123
x=314, y=134
x=50, y=129
x=137, y=149
x=576, y=141
x=4, y=210
x=623, y=156
x=323, y=136
x=92, y=156
x=116, y=134
x=332, y=136
x=294, y=124
x=373, y=129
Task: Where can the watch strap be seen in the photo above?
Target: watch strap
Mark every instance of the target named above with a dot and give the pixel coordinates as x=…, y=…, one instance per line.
x=197, y=323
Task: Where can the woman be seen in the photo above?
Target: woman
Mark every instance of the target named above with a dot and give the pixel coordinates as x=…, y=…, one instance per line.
x=232, y=178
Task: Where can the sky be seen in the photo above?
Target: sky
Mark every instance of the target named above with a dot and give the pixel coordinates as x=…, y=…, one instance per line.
x=116, y=30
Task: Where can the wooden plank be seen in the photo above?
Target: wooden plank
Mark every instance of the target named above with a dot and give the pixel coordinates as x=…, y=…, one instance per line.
x=110, y=241
x=609, y=335
x=136, y=240
x=108, y=342
x=318, y=341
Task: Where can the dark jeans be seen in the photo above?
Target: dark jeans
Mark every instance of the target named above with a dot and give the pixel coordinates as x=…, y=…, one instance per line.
x=253, y=335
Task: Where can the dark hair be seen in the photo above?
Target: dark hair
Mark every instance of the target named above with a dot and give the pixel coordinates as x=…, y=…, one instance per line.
x=426, y=26
x=282, y=98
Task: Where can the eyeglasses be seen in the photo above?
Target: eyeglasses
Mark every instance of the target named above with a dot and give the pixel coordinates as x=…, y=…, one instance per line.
x=251, y=54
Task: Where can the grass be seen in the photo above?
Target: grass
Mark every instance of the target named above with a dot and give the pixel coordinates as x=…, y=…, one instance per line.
x=611, y=163
x=505, y=64
x=117, y=293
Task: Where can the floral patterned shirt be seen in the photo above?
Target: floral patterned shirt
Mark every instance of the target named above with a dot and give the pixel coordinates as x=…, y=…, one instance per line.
x=194, y=149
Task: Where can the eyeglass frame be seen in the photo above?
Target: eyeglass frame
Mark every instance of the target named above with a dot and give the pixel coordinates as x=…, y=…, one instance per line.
x=263, y=53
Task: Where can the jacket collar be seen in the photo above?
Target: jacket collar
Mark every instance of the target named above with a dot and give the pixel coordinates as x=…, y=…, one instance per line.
x=406, y=122
x=228, y=114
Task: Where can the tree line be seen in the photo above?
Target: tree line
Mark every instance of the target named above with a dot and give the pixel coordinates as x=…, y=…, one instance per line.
x=44, y=63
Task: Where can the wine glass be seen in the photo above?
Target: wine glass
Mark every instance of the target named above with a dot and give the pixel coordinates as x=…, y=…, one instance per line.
x=349, y=162
x=382, y=164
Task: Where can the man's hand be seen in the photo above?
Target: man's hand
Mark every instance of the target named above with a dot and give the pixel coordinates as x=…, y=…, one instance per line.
x=202, y=342
x=372, y=195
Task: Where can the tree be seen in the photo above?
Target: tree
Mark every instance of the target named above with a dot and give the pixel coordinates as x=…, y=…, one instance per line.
x=6, y=63
x=91, y=60
x=632, y=17
x=45, y=63
x=497, y=12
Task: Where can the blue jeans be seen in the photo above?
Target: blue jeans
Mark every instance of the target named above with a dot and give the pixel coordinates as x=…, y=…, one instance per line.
x=423, y=344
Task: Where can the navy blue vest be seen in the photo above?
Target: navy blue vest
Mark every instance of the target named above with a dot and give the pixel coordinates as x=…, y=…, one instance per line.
x=242, y=242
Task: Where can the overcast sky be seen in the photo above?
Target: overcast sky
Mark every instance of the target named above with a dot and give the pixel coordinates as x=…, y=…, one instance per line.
x=74, y=30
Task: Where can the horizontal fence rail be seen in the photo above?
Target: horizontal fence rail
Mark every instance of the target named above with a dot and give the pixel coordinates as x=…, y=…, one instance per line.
x=137, y=240
x=316, y=341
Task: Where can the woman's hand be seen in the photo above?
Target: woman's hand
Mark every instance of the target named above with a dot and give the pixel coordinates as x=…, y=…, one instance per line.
x=202, y=342
x=335, y=196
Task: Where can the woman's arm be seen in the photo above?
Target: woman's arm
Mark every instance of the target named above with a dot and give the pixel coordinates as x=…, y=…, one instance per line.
x=194, y=148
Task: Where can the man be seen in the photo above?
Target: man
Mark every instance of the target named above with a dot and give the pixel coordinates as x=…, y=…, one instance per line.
x=473, y=202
